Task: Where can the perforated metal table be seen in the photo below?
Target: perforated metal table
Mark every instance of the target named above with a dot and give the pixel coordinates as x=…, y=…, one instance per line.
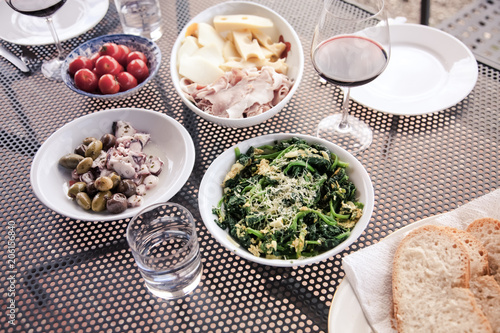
x=76, y=276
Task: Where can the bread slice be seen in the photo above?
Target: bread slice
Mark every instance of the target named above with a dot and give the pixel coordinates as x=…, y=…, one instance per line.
x=430, y=285
x=477, y=252
x=487, y=293
x=487, y=231
x=484, y=287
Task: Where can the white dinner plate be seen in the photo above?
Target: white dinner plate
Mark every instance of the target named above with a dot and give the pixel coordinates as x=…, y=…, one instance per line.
x=428, y=71
x=73, y=19
x=345, y=304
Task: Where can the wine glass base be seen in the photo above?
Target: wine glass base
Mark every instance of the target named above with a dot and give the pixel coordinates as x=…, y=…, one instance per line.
x=355, y=137
x=51, y=69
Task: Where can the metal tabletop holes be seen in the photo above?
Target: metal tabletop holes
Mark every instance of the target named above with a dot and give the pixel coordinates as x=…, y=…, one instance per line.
x=77, y=276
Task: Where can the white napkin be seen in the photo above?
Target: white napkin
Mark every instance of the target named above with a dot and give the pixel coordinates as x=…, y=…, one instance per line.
x=369, y=270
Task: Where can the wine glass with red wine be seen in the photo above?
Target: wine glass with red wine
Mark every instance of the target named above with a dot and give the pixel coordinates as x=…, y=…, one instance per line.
x=44, y=8
x=350, y=48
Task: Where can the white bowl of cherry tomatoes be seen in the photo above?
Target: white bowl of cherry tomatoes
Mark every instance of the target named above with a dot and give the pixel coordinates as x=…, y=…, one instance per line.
x=111, y=66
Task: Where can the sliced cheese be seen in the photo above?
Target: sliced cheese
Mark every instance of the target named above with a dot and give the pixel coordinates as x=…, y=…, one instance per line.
x=246, y=42
x=199, y=70
x=192, y=30
x=188, y=47
x=263, y=38
x=229, y=51
x=279, y=66
x=241, y=22
x=267, y=54
x=240, y=64
x=246, y=46
x=266, y=41
x=207, y=35
x=210, y=53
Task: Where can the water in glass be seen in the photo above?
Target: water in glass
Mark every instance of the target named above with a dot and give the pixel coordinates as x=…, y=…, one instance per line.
x=164, y=243
x=140, y=17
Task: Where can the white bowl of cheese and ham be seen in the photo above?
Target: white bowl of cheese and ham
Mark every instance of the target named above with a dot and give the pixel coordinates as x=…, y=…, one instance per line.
x=237, y=64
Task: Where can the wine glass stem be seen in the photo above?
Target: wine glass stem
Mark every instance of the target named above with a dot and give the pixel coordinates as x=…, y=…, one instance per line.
x=59, y=48
x=345, y=109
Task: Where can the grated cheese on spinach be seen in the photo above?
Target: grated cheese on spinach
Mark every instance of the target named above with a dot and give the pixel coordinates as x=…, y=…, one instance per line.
x=288, y=200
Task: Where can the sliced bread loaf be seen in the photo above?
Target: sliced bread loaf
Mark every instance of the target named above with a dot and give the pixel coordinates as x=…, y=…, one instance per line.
x=477, y=252
x=487, y=231
x=484, y=287
x=487, y=293
x=430, y=285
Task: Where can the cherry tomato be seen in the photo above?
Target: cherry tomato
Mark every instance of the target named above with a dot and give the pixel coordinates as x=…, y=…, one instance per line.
x=119, y=70
x=108, y=84
x=136, y=55
x=112, y=50
x=139, y=69
x=124, y=54
x=94, y=58
x=79, y=63
x=86, y=80
x=126, y=80
x=107, y=65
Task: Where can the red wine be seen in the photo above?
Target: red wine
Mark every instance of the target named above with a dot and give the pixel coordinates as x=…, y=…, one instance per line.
x=349, y=61
x=39, y=8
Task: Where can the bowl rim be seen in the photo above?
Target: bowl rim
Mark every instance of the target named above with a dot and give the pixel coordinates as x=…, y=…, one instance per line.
x=103, y=39
x=108, y=113
x=231, y=122
x=222, y=236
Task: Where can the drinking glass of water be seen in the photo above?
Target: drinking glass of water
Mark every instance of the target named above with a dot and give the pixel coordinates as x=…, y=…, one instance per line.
x=163, y=241
x=140, y=17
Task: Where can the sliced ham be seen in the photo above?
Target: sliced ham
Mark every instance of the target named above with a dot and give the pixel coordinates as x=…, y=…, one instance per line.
x=240, y=93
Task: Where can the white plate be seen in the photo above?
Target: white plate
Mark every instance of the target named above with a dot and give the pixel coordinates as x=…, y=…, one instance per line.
x=169, y=140
x=211, y=191
x=73, y=19
x=429, y=71
x=345, y=304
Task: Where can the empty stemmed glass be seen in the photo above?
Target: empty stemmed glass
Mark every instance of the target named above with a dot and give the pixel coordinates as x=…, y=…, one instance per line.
x=44, y=8
x=350, y=47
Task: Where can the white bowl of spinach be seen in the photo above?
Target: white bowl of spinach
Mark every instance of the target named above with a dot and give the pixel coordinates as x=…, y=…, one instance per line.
x=286, y=199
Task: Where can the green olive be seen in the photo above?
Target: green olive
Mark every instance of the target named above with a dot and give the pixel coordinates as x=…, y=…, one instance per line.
x=84, y=165
x=70, y=161
x=83, y=200
x=103, y=183
x=94, y=149
x=115, y=178
x=76, y=188
x=99, y=201
x=88, y=140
